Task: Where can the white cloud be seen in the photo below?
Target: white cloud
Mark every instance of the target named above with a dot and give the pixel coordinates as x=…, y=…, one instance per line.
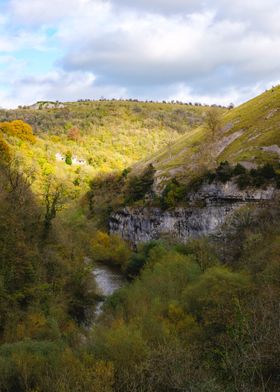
x=201, y=49
x=38, y=12
x=224, y=97
x=160, y=49
x=57, y=85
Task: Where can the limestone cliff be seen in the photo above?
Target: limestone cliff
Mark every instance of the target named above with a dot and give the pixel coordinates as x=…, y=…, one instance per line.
x=207, y=210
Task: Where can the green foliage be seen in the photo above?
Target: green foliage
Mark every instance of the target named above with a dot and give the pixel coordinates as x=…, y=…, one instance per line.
x=68, y=158
x=224, y=172
x=248, y=133
x=203, y=316
x=205, y=312
x=47, y=366
x=259, y=178
x=110, y=249
x=173, y=193
x=213, y=121
x=239, y=170
x=138, y=259
x=138, y=187
x=43, y=295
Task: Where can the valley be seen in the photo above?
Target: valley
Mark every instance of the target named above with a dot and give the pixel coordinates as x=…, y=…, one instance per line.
x=175, y=209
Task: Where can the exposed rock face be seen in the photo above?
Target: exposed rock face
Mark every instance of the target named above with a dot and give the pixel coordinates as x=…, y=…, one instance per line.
x=144, y=224
x=207, y=211
x=47, y=105
x=230, y=192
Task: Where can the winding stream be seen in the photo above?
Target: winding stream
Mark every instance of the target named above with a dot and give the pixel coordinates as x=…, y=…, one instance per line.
x=108, y=280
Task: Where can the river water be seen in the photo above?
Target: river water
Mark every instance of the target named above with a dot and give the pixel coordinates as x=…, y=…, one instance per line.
x=108, y=280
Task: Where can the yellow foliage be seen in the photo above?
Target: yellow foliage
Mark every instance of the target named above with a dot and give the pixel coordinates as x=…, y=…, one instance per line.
x=18, y=128
x=4, y=150
x=110, y=248
x=103, y=376
x=33, y=326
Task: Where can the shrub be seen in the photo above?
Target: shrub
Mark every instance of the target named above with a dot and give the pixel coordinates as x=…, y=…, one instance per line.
x=243, y=181
x=18, y=129
x=74, y=134
x=139, y=186
x=267, y=171
x=68, y=158
x=239, y=169
x=138, y=260
x=224, y=172
x=110, y=249
x=173, y=193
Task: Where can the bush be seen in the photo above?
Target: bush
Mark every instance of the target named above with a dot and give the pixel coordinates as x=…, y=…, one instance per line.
x=172, y=194
x=255, y=177
x=238, y=170
x=18, y=129
x=224, y=172
x=267, y=171
x=138, y=260
x=244, y=181
x=110, y=249
x=140, y=186
x=68, y=158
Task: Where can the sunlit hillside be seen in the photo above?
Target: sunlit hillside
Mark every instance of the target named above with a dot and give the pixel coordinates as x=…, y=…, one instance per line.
x=249, y=134
x=103, y=135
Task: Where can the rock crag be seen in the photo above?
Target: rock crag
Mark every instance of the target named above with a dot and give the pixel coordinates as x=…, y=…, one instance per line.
x=206, y=210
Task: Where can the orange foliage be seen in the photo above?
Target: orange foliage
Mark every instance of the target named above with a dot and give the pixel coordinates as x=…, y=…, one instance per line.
x=74, y=134
x=19, y=129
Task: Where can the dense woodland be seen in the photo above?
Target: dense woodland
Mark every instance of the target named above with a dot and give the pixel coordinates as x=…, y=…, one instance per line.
x=194, y=317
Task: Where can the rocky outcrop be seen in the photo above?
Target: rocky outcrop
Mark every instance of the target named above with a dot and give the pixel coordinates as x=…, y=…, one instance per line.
x=47, y=105
x=207, y=210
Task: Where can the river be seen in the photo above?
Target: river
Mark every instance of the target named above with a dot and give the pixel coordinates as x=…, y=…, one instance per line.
x=108, y=280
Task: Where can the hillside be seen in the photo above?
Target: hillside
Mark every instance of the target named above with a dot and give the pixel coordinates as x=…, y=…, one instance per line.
x=201, y=314
x=249, y=134
x=104, y=135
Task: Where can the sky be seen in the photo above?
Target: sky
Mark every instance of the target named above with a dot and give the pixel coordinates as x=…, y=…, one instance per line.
x=208, y=51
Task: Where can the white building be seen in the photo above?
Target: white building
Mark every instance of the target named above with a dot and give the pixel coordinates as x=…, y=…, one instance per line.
x=59, y=157
x=78, y=161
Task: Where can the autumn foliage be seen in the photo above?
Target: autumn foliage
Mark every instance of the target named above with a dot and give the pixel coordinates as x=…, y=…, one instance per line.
x=74, y=134
x=4, y=150
x=18, y=128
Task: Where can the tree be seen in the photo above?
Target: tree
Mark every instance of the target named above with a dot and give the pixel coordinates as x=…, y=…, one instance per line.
x=18, y=182
x=5, y=153
x=74, y=134
x=213, y=121
x=68, y=158
x=140, y=186
x=54, y=197
x=18, y=129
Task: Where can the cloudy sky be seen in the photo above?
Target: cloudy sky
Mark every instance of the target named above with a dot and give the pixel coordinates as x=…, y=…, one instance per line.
x=212, y=51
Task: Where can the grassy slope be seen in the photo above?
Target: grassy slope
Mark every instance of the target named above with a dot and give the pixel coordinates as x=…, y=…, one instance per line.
x=252, y=126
